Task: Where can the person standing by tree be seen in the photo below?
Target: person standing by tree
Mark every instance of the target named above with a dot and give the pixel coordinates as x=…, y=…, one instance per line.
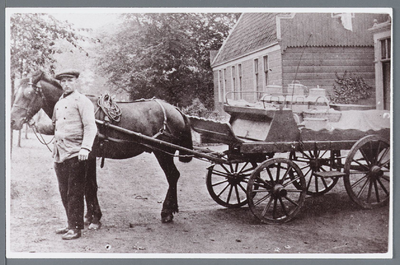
x=74, y=133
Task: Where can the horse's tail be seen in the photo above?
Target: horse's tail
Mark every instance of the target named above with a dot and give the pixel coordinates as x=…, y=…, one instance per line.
x=186, y=141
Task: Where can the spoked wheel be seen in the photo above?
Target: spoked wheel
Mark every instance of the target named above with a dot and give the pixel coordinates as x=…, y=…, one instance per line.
x=227, y=183
x=311, y=162
x=273, y=190
x=367, y=169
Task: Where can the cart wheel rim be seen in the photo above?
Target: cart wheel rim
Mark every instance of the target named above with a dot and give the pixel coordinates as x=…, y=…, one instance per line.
x=227, y=183
x=367, y=169
x=273, y=193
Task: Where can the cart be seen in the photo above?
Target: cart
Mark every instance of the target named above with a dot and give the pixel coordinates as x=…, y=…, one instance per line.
x=275, y=157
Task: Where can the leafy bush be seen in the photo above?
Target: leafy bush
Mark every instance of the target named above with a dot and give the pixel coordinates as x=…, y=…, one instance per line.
x=198, y=109
x=350, y=89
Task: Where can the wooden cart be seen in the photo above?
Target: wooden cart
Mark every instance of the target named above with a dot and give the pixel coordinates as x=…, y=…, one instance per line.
x=272, y=162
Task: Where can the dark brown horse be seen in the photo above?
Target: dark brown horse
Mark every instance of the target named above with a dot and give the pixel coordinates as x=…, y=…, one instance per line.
x=152, y=118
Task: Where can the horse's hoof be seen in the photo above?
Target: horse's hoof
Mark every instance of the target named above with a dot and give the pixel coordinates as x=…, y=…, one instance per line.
x=93, y=226
x=167, y=218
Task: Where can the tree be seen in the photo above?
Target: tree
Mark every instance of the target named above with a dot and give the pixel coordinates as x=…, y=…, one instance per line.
x=33, y=42
x=165, y=55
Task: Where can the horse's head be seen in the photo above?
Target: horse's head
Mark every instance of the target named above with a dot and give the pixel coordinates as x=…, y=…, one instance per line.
x=30, y=98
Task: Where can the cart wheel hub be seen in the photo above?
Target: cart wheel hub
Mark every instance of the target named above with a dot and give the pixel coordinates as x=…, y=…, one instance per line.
x=235, y=179
x=376, y=172
x=279, y=191
x=315, y=164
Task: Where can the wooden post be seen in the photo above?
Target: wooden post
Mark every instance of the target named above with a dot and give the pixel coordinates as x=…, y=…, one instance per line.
x=19, y=137
x=26, y=131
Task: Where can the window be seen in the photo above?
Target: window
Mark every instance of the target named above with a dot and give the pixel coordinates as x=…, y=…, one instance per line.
x=235, y=95
x=220, y=86
x=240, y=80
x=385, y=48
x=257, y=87
x=225, y=82
x=266, y=69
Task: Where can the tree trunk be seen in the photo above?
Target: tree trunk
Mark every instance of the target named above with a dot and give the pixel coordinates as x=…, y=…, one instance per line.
x=12, y=102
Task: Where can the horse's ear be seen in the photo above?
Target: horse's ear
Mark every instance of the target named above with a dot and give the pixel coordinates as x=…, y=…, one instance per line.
x=37, y=75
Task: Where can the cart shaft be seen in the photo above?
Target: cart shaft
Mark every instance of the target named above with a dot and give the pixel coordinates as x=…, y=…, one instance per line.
x=154, y=142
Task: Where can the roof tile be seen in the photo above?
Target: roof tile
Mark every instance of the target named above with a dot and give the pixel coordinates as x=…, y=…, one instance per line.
x=252, y=32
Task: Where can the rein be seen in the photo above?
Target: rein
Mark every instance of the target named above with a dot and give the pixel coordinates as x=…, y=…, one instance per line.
x=109, y=107
x=41, y=139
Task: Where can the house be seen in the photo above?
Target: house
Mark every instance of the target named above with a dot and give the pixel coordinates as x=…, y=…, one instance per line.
x=269, y=51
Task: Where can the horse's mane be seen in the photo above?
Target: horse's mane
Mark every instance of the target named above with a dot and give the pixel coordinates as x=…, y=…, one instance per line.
x=24, y=82
x=51, y=80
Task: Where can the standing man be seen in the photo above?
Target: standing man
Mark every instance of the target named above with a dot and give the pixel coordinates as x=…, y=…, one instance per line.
x=74, y=133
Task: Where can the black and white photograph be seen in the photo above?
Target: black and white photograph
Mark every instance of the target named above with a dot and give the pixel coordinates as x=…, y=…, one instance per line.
x=258, y=133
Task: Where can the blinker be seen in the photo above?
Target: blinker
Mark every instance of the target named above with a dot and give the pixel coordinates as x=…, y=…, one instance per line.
x=28, y=92
x=31, y=88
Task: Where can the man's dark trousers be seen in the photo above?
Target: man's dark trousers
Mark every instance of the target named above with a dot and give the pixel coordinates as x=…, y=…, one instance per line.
x=93, y=209
x=71, y=175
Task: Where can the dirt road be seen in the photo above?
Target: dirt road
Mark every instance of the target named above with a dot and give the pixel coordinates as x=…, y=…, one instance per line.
x=131, y=193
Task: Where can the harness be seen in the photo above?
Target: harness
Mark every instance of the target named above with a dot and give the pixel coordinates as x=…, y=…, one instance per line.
x=164, y=129
x=113, y=115
x=37, y=88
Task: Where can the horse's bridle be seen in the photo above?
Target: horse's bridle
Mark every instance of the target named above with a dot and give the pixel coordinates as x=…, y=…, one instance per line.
x=37, y=88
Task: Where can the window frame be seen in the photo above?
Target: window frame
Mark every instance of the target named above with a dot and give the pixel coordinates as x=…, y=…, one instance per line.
x=256, y=76
x=266, y=69
x=385, y=44
x=240, y=76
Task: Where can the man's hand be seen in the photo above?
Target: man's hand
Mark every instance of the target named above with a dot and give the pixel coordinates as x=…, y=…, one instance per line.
x=83, y=154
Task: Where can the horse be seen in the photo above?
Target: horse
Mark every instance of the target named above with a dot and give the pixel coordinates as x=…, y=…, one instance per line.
x=152, y=118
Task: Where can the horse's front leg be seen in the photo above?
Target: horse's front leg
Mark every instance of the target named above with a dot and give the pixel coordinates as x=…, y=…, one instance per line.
x=170, y=205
